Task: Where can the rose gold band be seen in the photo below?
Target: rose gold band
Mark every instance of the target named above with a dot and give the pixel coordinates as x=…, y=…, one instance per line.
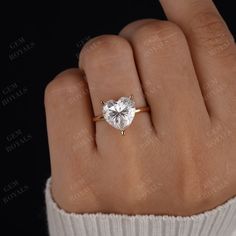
x=141, y=109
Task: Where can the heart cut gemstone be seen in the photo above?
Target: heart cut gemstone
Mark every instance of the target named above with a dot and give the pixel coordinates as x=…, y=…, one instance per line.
x=119, y=114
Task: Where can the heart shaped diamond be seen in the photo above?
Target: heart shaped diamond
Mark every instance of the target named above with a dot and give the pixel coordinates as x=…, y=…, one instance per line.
x=119, y=114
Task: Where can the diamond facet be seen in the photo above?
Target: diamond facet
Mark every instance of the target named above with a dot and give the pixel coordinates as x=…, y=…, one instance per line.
x=119, y=114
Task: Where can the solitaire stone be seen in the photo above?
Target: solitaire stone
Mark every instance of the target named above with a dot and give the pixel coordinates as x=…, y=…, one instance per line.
x=119, y=114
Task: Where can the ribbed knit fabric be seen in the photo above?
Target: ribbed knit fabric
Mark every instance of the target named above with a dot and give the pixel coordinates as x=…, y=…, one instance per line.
x=220, y=221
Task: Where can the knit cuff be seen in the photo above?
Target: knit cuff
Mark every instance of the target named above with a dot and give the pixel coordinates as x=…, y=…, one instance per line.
x=217, y=222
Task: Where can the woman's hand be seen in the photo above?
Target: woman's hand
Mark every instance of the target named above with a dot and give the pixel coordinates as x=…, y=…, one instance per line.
x=179, y=159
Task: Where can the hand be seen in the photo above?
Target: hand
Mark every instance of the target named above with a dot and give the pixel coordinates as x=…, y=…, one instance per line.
x=179, y=159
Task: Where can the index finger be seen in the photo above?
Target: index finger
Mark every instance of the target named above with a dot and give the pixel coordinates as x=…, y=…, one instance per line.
x=212, y=48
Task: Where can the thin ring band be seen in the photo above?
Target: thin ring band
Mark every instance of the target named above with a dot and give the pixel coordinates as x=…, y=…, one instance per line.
x=141, y=109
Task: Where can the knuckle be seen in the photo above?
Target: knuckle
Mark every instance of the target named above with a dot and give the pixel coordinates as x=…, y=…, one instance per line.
x=104, y=49
x=132, y=26
x=157, y=35
x=210, y=32
x=66, y=82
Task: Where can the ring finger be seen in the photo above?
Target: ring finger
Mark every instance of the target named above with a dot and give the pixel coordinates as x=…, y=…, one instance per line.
x=111, y=73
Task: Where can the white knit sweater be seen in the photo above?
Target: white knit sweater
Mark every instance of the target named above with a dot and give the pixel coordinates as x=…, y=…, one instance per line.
x=220, y=221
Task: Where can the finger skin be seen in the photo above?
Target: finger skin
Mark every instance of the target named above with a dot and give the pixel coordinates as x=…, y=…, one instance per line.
x=111, y=73
x=110, y=70
x=186, y=175
x=70, y=129
x=167, y=73
x=213, y=51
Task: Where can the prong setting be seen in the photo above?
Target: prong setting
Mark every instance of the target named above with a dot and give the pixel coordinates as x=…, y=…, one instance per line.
x=131, y=97
x=119, y=113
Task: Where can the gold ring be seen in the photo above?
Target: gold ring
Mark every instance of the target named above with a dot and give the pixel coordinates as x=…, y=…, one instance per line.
x=120, y=113
x=141, y=109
